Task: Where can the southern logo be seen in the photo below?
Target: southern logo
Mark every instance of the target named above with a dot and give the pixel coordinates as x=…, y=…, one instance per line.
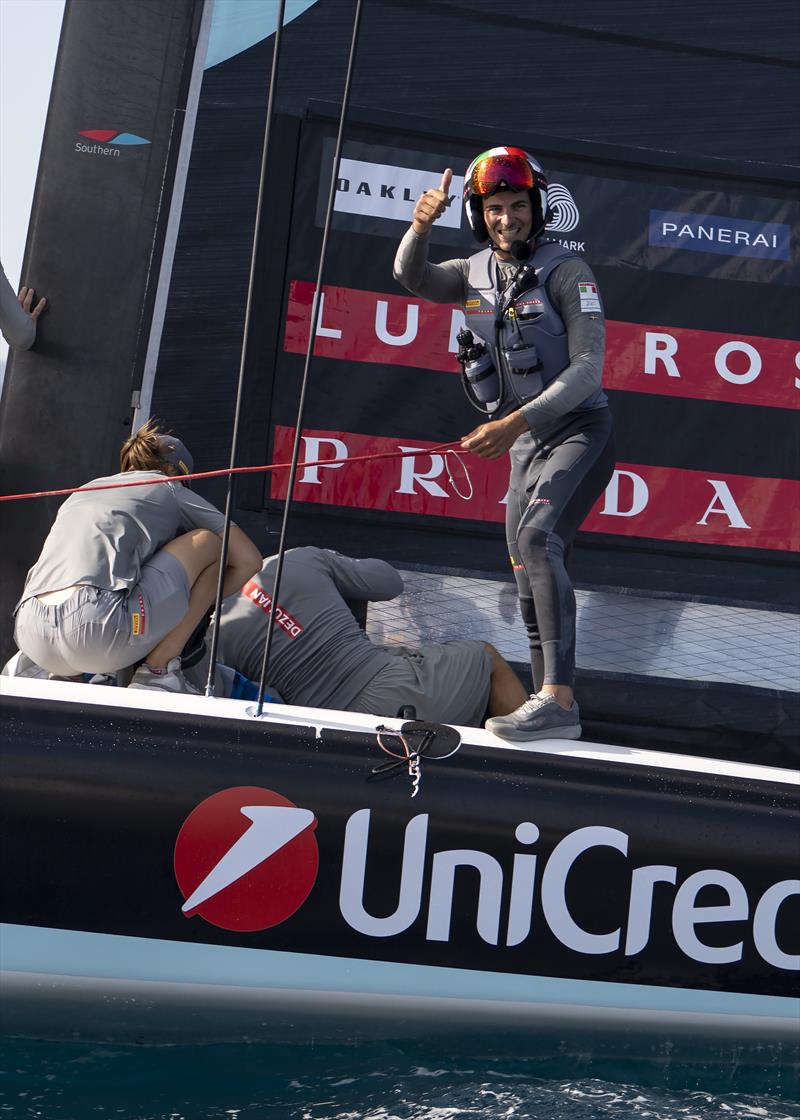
x=107, y=141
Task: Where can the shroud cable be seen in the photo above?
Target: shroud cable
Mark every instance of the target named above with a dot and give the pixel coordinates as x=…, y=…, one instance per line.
x=226, y=532
x=312, y=333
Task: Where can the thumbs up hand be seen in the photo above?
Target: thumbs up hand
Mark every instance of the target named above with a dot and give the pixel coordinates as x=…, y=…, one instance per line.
x=432, y=204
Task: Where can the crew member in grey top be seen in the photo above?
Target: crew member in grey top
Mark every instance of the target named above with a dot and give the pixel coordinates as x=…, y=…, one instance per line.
x=532, y=357
x=18, y=314
x=321, y=657
x=128, y=571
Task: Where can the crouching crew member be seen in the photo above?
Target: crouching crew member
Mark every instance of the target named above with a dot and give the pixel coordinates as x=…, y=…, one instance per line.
x=321, y=658
x=128, y=573
x=532, y=359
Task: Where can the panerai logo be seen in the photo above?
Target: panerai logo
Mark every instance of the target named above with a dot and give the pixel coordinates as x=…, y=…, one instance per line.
x=711, y=233
x=107, y=141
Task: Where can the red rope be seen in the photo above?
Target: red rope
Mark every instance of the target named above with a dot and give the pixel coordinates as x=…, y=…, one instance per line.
x=230, y=470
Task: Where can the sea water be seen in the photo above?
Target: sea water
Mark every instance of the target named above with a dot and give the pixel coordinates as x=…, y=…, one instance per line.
x=437, y=1080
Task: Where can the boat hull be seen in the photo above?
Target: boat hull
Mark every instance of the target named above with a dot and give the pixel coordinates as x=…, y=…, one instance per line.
x=566, y=887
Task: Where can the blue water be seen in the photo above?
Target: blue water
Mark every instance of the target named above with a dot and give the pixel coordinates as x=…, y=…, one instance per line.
x=378, y=1081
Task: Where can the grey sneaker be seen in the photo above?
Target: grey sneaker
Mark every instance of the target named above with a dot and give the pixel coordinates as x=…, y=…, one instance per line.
x=170, y=679
x=540, y=717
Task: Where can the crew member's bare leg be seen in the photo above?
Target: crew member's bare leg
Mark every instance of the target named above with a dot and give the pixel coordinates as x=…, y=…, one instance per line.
x=507, y=691
x=198, y=552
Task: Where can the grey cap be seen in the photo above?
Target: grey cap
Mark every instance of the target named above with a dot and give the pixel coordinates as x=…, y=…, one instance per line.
x=177, y=453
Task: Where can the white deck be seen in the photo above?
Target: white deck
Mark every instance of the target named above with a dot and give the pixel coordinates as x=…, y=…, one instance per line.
x=212, y=708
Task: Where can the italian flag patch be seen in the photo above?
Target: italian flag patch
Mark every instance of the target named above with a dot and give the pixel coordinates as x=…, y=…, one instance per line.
x=590, y=300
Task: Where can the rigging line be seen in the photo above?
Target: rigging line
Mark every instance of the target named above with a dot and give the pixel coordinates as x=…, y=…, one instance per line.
x=468, y=496
x=312, y=333
x=264, y=467
x=226, y=531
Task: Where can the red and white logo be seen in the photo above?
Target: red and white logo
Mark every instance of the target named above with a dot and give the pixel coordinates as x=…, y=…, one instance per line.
x=246, y=859
x=256, y=594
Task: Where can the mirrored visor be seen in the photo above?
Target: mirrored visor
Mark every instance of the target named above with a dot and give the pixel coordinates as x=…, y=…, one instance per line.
x=501, y=172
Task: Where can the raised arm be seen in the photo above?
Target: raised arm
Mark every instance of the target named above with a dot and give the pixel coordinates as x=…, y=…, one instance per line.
x=431, y=204
x=243, y=559
x=18, y=315
x=439, y=283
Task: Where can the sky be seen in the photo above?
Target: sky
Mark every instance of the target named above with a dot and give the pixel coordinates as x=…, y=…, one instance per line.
x=29, y=31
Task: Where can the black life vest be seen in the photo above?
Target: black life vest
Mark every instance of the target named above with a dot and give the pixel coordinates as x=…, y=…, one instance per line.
x=524, y=338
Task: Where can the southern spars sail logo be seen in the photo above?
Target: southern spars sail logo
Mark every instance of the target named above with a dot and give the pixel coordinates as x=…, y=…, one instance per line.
x=246, y=859
x=107, y=141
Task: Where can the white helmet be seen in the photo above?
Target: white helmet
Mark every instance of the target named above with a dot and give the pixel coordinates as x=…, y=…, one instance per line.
x=500, y=169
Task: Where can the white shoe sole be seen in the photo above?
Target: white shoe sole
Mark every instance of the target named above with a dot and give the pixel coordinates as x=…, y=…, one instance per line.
x=573, y=731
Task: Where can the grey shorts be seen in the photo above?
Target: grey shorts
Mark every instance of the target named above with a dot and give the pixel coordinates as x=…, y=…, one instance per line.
x=99, y=631
x=447, y=682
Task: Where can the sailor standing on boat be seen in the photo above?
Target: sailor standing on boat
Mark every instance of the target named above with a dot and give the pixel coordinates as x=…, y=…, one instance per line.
x=127, y=573
x=532, y=359
x=321, y=658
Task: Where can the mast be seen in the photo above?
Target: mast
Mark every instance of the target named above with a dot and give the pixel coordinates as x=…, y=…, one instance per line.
x=95, y=243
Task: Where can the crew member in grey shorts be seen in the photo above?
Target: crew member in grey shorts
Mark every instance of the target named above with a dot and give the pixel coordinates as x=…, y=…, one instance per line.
x=532, y=358
x=321, y=658
x=126, y=573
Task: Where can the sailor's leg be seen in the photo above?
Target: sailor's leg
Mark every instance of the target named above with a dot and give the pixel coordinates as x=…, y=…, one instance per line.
x=517, y=504
x=198, y=553
x=507, y=691
x=573, y=477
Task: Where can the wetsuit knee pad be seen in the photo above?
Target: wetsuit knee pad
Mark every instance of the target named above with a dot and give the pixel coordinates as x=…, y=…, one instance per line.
x=539, y=545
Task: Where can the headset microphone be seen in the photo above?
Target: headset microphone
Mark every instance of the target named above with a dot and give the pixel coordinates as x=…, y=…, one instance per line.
x=520, y=250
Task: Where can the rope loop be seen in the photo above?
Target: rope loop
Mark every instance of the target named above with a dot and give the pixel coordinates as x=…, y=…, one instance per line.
x=456, y=491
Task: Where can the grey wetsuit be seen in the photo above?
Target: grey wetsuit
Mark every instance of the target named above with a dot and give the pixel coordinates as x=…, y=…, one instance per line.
x=559, y=467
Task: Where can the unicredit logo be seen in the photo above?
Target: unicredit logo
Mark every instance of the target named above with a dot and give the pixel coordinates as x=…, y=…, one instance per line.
x=246, y=859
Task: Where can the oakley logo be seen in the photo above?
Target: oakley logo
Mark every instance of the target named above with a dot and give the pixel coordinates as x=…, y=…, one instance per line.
x=382, y=190
x=246, y=859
